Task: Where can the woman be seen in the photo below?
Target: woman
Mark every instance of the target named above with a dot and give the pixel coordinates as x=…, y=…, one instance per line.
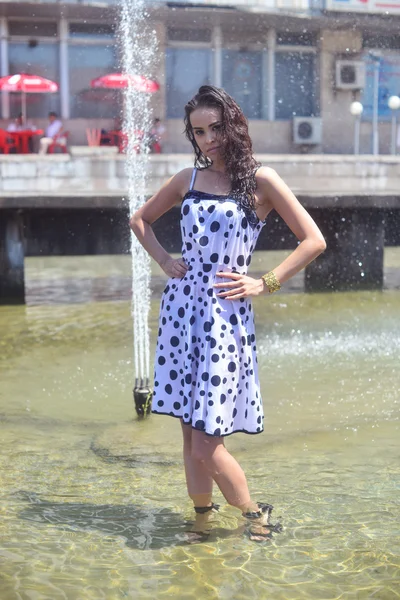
x=206, y=365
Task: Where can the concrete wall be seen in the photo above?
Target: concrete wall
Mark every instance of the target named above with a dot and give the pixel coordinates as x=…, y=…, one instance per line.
x=337, y=36
x=334, y=41
x=99, y=180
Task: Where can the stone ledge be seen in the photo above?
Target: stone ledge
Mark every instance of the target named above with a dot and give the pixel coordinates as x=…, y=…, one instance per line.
x=100, y=172
x=90, y=151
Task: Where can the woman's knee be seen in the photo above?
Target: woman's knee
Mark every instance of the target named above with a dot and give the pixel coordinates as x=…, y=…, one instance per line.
x=204, y=447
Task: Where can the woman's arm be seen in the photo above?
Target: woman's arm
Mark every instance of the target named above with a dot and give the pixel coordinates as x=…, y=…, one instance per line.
x=274, y=193
x=279, y=196
x=170, y=194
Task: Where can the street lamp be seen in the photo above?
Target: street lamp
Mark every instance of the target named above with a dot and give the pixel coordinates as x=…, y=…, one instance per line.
x=394, y=105
x=376, y=58
x=356, y=109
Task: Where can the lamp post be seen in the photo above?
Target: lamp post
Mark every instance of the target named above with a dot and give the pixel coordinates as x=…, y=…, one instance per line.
x=394, y=105
x=356, y=109
x=376, y=58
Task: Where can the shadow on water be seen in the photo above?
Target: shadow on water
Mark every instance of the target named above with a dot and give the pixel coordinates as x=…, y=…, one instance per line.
x=141, y=529
x=127, y=460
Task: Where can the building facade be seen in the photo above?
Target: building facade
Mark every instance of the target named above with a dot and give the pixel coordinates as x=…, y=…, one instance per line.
x=294, y=66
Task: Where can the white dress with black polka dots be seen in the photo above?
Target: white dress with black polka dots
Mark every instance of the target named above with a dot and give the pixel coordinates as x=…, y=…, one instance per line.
x=206, y=365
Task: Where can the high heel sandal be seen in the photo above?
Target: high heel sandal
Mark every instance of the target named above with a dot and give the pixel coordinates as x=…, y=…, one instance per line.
x=201, y=510
x=201, y=536
x=259, y=532
x=257, y=514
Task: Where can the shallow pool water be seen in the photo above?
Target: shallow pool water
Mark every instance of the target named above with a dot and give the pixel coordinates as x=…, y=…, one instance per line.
x=93, y=502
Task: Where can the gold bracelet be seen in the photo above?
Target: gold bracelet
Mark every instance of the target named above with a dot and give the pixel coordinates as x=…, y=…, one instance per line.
x=272, y=282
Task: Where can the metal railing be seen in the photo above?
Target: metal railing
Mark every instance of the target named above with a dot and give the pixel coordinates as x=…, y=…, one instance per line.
x=285, y=5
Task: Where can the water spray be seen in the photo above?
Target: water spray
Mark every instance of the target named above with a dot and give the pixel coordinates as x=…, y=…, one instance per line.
x=139, y=47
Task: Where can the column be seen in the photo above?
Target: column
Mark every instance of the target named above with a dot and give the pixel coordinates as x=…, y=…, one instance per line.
x=338, y=123
x=5, y=104
x=64, y=74
x=217, y=47
x=271, y=43
x=12, y=285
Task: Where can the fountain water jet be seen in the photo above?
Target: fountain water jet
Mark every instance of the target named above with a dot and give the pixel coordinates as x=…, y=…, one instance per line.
x=139, y=46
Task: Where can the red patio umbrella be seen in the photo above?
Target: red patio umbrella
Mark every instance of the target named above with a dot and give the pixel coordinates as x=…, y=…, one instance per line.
x=119, y=81
x=27, y=84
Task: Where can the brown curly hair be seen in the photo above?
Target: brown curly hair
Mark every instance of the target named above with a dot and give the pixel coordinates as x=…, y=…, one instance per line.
x=237, y=146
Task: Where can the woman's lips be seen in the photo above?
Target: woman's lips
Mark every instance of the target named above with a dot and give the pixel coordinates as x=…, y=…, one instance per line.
x=213, y=149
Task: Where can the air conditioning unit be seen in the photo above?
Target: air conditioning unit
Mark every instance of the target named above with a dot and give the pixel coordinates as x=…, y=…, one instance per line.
x=350, y=74
x=307, y=130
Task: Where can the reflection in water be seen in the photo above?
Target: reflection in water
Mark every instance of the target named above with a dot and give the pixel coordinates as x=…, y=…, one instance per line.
x=67, y=279
x=94, y=502
x=141, y=529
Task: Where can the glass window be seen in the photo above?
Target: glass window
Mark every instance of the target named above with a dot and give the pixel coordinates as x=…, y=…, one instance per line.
x=189, y=35
x=381, y=41
x=32, y=28
x=287, y=38
x=40, y=59
x=242, y=79
x=85, y=63
x=389, y=70
x=295, y=85
x=97, y=31
x=187, y=69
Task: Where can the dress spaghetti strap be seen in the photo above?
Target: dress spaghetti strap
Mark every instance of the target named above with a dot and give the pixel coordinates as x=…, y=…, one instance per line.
x=193, y=179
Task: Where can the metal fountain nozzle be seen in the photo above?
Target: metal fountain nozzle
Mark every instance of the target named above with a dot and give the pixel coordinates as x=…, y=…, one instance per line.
x=142, y=394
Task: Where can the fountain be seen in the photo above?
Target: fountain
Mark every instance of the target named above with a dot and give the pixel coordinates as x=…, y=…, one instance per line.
x=94, y=506
x=139, y=45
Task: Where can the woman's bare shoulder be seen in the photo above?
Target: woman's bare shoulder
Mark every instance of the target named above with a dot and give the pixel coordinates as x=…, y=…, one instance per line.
x=266, y=175
x=182, y=179
x=264, y=178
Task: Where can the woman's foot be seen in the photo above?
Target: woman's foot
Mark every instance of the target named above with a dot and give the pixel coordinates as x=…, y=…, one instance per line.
x=259, y=533
x=260, y=528
x=201, y=528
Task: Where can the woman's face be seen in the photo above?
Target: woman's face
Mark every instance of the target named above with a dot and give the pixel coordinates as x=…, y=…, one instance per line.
x=206, y=124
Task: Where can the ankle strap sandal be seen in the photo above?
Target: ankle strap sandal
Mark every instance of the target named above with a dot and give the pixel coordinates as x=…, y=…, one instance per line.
x=201, y=510
x=256, y=514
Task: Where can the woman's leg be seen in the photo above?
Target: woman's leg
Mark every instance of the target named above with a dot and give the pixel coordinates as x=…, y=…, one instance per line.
x=209, y=454
x=199, y=482
x=207, y=459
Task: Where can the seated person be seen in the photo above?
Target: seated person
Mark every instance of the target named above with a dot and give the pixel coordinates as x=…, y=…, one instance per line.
x=53, y=130
x=19, y=124
x=157, y=134
x=110, y=138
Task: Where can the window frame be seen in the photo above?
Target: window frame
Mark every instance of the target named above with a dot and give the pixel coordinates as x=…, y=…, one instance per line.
x=187, y=46
x=87, y=39
x=263, y=50
x=39, y=38
x=280, y=49
x=24, y=39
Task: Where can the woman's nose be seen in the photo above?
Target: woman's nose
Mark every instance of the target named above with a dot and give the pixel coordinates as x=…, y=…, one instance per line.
x=210, y=138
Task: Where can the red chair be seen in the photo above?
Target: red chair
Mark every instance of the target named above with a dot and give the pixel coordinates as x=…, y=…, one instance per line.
x=59, y=141
x=122, y=142
x=156, y=148
x=7, y=142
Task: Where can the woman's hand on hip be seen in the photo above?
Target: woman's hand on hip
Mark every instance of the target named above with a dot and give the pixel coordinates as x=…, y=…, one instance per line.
x=240, y=286
x=174, y=267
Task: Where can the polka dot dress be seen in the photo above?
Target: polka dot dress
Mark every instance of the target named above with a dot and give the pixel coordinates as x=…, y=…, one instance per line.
x=206, y=364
